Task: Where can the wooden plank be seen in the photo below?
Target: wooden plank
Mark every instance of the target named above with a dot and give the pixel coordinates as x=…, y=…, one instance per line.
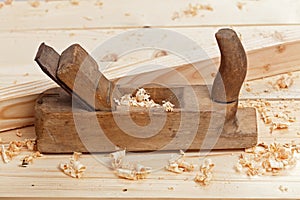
x=17, y=104
x=195, y=69
x=43, y=180
x=89, y=15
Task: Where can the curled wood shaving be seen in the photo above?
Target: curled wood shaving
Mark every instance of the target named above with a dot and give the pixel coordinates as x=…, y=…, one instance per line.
x=174, y=167
x=74, y=168
x=284, y=82
x=128, y=171
x=4, y=155
x=283, y=188
x=142, y=99
x=117, y=158
x=277, y=120
x=159, y=53
x=29, y=158
x=34, y=4
x=268, y=159
x=205, y=175
x=180, y=165
x=8, y=2
x=19, y=133
x=136, y=173
x=14, y=148
x=193, y=10
x=74, y=2
x=168, y=106
x=111, y=57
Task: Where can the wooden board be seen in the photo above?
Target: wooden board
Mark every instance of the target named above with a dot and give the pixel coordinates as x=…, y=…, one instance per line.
x=197, y=124
x=261, y=40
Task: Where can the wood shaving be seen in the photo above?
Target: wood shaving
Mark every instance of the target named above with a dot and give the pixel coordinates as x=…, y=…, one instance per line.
x=283, y=188
x=34, y=4
x=4, y=155
x=205, y=175
x=136, y=173
x=128, y=171
x=240, y=5
x=277, y=120
x=175, y=16
x=74, y=168
x=14, y=148
x=191, y=11
x=159, y=53
x=111, y=57
x=142, y=99
x=99, y=3
x=117, y=158
x=74, y=2
x=29, y=158
x=179, y=165
x=8, y=2
x=168, y=106
x=19, y=133
x=264, y=159
x=284, y=82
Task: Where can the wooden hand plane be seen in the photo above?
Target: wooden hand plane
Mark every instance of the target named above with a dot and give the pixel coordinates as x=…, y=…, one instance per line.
x=82, y=116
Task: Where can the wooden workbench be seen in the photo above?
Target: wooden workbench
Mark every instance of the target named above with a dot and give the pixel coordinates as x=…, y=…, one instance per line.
x=61, y=23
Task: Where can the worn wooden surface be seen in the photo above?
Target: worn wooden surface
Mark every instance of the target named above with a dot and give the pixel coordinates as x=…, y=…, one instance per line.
x=196, y=124
x=59, y=23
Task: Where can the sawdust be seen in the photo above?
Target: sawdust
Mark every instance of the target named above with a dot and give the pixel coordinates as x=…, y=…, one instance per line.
x=271, y=159
x=191, y=11
x=284, y=82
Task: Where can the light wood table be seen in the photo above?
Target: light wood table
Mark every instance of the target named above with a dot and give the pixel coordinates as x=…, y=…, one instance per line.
x=60, y=23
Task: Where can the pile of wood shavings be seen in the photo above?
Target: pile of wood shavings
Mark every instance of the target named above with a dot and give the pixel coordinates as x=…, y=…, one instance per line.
x=74, y=168
x=205, y=175
x=276, y=119
x=127, y=170
x=284, y=82
x=14, y=148
x=179, y=166
x=142, y=99
x=29, y=158
x=264, y=159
